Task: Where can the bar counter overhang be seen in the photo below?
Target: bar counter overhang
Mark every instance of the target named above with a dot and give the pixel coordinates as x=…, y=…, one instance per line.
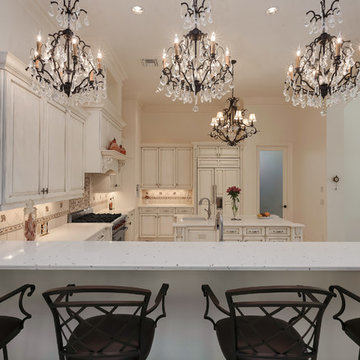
x=184, y=334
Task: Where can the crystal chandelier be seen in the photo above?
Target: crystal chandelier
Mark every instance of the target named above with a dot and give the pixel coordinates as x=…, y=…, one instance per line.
x=64, y=68
x=196, y=68
x=326, y=73
x=230, y=125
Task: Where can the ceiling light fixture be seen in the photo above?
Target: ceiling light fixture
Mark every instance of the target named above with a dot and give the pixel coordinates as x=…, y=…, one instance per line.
x=326, y=73
x=196, y=68
x=230, y=125
x=272, y=10
x=137, y=10
x=64, y=67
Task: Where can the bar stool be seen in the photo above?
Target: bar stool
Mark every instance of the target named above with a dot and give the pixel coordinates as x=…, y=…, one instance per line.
x=113, y=324
x=278, y=322
x=350, y=327
x=11, y=326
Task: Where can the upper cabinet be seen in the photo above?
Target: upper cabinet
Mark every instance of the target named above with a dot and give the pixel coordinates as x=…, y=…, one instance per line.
x=102, y=126
x=42, y=143
x=166, y=167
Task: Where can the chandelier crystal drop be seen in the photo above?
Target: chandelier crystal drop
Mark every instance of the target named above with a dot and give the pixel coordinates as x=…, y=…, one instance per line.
x=326, y=73
x=196, y=69
x=230, y=125
x=64, y=68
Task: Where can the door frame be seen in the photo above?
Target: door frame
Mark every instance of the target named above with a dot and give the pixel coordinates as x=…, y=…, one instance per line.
x=287, y=176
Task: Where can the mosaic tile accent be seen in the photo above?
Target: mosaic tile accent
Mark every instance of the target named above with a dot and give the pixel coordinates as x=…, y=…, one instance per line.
x=84, y=202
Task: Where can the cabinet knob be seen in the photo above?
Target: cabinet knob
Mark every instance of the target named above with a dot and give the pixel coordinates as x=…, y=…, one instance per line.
x=43, y=191
x=46, y=190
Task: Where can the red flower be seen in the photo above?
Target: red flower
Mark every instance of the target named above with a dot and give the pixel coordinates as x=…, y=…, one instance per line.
x=233, y=191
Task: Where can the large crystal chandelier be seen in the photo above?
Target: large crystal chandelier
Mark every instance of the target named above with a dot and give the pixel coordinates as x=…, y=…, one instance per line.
x=196, y=69
x=230, y=125
x=64, y=68
x=326, y=73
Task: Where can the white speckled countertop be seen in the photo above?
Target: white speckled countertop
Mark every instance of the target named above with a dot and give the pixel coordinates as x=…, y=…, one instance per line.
x=235, y=256
x=74, y=232
x=246, y=220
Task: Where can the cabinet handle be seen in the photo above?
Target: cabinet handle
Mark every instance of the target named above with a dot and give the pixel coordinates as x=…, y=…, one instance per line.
x=46, y=191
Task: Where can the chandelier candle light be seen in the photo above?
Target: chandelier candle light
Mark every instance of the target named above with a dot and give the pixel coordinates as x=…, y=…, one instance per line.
x=196, y=68
x=326, y=73
x=230, y=125
x=64, y=68
x=234, y=193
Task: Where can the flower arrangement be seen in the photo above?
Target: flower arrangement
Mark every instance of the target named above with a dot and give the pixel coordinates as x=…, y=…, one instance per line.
x=234, y=193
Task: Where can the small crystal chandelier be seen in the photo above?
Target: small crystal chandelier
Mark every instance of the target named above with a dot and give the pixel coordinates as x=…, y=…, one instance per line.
x=196, y=68
x=64, y=68
x=230, y=125
x=326, y=74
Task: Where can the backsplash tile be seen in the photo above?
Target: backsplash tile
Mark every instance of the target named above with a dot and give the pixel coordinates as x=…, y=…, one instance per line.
x=173, y=196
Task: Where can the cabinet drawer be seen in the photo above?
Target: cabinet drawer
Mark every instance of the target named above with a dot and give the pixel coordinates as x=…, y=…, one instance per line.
x=148, y=210
x=208, y=162
x=278, y=238
x=254, y=230
x=253, y=238
x=184, y=210
x=166, y=210
x=277, y=231
x=229, y=163
x=233, y=231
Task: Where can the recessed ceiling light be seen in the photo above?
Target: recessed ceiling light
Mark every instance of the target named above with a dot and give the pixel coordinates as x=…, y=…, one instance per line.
x=272, y=10
x=137, y=10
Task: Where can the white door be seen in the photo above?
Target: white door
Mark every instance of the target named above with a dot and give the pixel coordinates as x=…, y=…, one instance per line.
x=55, y=154
x=166, y=168
x=76, y=154
x=274, y=186
x=206, y=182
x=24, y=141
x=150, y=168
x=183, y=168
x=165, y=226
x=148, y=226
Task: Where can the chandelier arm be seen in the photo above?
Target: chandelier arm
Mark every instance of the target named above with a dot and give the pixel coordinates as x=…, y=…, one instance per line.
x=332, y=9
x=316, y=16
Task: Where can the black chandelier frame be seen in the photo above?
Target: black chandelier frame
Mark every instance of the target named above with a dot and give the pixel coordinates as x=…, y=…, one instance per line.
x=324, y=41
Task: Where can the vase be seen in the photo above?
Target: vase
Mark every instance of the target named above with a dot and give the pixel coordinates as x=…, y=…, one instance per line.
x=235, y=207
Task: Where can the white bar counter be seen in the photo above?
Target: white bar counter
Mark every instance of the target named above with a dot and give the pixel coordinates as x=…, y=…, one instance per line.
x=220, y=256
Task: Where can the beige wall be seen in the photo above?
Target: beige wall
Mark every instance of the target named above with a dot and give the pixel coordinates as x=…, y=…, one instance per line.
x=304, y=131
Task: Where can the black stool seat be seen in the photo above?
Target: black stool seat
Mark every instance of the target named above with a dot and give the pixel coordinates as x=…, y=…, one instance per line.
x=352, y=330
x=269, y=323
x=9, y=328
x=104, y=322
x=252, y=329
x=84, y=340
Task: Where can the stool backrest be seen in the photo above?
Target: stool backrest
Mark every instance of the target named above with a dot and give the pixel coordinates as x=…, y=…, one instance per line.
x=284, y=309
x=72, y=306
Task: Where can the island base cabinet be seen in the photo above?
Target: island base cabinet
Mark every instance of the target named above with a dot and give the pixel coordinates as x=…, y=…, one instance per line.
x=199, y=235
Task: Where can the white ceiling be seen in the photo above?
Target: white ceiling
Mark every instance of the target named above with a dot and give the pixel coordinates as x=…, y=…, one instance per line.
x=263, y=45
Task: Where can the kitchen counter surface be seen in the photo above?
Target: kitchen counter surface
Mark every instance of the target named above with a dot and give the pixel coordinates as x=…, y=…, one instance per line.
x=246, y=220
x=232, y=256
x=73, y=232
x=116, y=211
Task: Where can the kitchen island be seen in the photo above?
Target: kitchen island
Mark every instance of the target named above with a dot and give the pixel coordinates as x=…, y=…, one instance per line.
x=248, y=228
x=184, y=334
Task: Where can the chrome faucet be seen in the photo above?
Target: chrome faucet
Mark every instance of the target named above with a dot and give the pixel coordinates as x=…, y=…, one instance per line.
x=219, y=225
x=208, y=210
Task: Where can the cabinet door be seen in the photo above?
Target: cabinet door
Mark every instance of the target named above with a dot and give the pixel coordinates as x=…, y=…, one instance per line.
x=148, y=226
x=75, y=145
x=206, y=182
x=23, y=143
x=166, y=167
x=200, y=235
x=227, y=151
x=55, y=154
x=150, y=168
x=183, y=168
x=165, y=226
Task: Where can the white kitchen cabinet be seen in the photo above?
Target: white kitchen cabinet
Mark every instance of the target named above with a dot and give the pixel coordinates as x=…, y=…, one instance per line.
x=165, y=226
x=41, y=144
x=217, y=151
x=22, y=123
x=148, y=225
x=183, y=164
x=149, y=167
x=200, y=235
x=76, y=147
x=166, y=168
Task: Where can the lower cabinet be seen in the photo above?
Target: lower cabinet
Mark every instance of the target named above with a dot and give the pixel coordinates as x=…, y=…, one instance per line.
x=199, y=235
